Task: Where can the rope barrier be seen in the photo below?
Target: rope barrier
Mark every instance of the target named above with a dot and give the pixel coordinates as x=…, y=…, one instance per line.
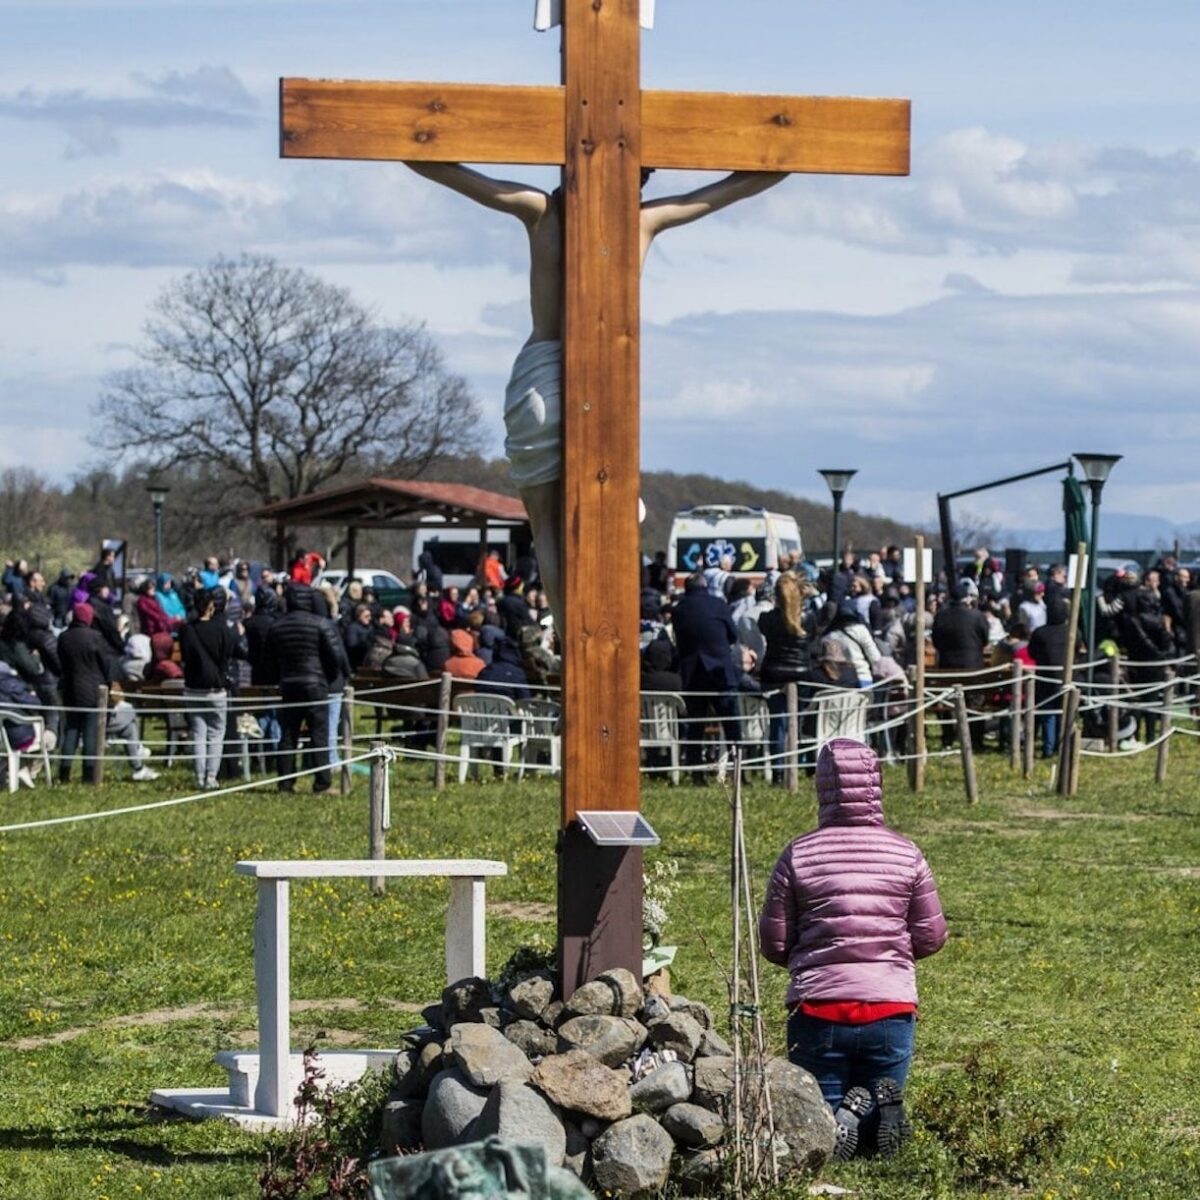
x=177, y=800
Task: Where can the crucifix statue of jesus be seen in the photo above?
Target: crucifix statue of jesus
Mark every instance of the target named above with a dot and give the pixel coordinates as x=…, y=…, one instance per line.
x=533, y=399
x=604, y=130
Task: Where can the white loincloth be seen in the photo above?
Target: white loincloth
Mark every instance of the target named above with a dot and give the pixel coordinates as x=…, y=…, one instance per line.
x=533, y=415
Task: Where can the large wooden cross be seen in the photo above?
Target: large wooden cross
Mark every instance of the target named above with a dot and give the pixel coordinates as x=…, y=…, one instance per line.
x=601, y=128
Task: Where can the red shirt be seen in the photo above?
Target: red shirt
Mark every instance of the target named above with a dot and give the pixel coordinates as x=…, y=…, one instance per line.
x=854, y=1012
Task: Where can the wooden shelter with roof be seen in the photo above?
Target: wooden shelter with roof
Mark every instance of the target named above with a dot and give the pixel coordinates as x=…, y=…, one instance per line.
x=393, y=504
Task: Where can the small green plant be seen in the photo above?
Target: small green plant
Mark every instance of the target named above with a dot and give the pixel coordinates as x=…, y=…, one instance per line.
x=324, y=1156
x=534, y=956
x=993, y=1121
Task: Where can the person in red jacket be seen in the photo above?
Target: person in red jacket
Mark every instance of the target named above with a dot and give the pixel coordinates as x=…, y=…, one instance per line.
x=850, y=907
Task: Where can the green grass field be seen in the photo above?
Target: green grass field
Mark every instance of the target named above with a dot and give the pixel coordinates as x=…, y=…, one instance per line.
x=1071, y=976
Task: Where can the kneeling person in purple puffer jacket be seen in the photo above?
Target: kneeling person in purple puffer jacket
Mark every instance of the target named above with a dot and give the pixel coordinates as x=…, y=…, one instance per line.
x=850, y=908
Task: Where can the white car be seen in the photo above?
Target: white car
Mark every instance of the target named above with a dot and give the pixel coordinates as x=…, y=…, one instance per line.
x=373, y=577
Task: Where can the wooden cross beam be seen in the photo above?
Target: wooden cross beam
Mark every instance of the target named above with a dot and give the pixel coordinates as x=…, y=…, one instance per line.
x=602, y=129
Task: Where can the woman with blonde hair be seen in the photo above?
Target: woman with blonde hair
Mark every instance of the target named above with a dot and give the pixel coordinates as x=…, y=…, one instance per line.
x=788, y=629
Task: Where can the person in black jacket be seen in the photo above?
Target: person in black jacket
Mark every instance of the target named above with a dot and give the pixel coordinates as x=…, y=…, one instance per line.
x=960, y=634
x=104, y=620
x=87, y=667
x=265, y=614
x=513, y=608
x=1048, y=648
x=704, y=636
x=206, y=645
x=59, y=596
x=787, y=628
x=304, y=655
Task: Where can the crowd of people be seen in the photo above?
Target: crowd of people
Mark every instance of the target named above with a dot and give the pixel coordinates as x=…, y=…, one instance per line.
x=225, y=626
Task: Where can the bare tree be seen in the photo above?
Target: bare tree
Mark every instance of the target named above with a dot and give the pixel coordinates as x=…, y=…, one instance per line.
x=278, y=382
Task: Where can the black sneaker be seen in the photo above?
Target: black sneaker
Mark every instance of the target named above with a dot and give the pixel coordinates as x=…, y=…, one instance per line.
x=894, y=1127
x=856, y=1103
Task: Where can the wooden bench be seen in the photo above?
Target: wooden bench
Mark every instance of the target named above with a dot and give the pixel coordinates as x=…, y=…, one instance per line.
x=465, y=944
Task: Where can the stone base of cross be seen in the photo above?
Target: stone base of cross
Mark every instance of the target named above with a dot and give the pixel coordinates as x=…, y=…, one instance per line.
x=602, y=129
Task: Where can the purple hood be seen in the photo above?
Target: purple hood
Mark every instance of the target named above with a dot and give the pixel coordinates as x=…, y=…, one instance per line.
x=852, y=905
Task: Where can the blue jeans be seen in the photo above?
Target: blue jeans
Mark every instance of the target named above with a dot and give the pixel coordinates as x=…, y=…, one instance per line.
x=840, y=1057
x=1049, y=723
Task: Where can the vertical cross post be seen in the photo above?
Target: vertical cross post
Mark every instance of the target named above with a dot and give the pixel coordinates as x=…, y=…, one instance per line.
x=600, y=887
x=466, y=929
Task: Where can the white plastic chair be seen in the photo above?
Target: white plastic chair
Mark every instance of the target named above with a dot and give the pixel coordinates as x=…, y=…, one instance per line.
x=12, y=755
x=661, y=713
x=487, y=723
x=842, y=713
x=754, y=728
x=542, y=734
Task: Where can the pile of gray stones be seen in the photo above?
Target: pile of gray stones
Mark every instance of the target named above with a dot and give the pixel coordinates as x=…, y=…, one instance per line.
x=626, y=1089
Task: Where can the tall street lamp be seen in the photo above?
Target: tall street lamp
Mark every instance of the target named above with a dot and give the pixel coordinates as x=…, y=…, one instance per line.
x=838, y=482
x=158, y=497
x=1096, y=469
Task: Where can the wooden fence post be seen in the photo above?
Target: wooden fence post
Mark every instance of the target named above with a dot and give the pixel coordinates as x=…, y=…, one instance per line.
x=1160, y=763
x=376, y=836
x=347, y=739
x=101, y=738
x=791, y=692
x=965, y=749
x=1029, y=741
x=443, y=730
x=1014, y=716
x=1114, y=712
x=916, y=772
x=1066, y=740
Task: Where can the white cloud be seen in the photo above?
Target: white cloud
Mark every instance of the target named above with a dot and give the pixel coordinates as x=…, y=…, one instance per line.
x=206, y=96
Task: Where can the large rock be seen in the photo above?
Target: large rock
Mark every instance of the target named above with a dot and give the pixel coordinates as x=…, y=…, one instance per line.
x=430, y=1061
x=485, y=1056
x=632, y=1157
x=712, y=1083
x=516, y=1111
x=594, y=999
x=801, y=1114
x=679, y=1032
x=529, y=997
x=698, y=1011
x=666, y=1085
x=531, y=1039
x=580, y=1083
x=713, y=1045
x=612, y=1040
x=627, y=991
x=452, y=1106
x=693, y=1126
x=400, y=1130
x=465, y=1000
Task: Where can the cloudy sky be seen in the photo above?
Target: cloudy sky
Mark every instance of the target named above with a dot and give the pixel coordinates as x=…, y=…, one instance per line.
x=1033, y=289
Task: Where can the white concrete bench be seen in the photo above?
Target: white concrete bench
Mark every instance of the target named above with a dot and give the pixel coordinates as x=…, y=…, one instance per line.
x=272, y=1077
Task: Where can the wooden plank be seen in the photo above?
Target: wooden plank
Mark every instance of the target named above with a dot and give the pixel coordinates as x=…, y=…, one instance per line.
x=441, y=122
x=480, y=123
x=805, y=134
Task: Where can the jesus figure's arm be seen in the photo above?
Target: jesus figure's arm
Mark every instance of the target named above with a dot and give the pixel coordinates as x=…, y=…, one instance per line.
x=670, y=211
x=519, y=199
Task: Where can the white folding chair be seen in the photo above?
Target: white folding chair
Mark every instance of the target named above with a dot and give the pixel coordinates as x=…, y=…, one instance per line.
x=660, y=717
x=543, y=735
x=486, y=723
x=842, y=713
x=12, y=755
x=754, y=727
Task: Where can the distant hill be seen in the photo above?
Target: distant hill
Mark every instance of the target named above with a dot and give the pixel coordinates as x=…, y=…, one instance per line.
x=666, y=492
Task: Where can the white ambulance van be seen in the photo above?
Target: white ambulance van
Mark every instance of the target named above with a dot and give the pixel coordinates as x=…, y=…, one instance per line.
x=753, y=537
